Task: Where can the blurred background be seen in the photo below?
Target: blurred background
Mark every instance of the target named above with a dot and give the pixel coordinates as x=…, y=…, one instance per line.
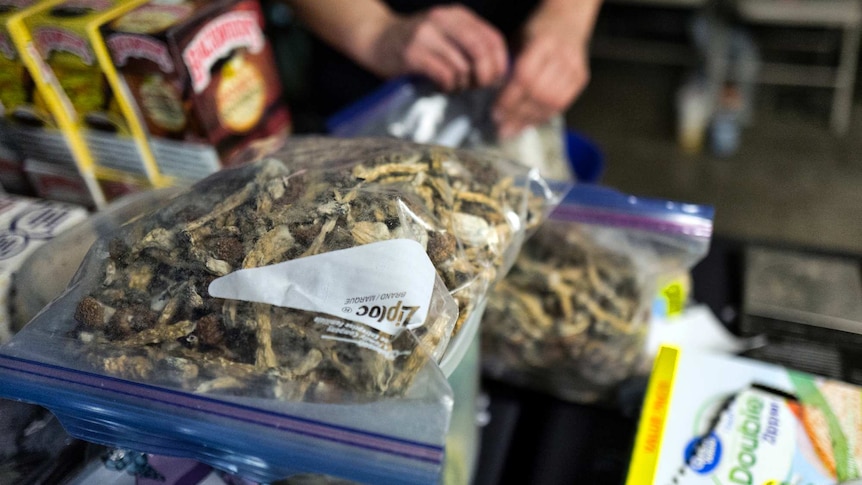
x=751, y=108
x=748, y=105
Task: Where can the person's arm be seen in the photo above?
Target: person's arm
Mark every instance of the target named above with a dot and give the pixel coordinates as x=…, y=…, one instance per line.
x=449, y=44
x=552, y=67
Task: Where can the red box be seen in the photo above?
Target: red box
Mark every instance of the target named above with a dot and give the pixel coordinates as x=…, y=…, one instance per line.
x=201, y=72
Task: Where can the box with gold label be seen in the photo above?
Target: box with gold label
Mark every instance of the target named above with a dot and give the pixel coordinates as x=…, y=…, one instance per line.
x=43, y=123
x=65, y=53
x=14, y=79
x=204, y=79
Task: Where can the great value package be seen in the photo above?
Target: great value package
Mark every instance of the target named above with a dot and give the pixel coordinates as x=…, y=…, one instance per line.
x=726, y=420
x=14, y=93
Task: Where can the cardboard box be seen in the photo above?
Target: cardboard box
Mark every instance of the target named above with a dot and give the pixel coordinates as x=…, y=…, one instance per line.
x=66, y=36
x=711, y=419
x=46, y=127
x=204, y=79
x=26, y=224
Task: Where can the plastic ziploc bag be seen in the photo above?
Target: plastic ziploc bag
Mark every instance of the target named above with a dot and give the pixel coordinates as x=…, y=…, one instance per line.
x=571, y=317
x=415, y=110
x=314, y=357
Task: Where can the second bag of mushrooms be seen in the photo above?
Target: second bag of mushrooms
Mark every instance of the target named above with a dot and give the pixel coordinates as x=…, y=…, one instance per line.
x=571, y=317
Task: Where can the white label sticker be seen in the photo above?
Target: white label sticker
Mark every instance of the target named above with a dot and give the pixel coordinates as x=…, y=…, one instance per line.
x=386, y=285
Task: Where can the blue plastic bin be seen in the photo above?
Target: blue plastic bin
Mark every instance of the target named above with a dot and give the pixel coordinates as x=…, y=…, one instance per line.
x=585, y=157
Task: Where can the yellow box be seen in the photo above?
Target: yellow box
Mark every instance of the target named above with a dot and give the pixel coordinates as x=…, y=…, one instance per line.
x=123, y=104
x=48, y=108
x=65, y=54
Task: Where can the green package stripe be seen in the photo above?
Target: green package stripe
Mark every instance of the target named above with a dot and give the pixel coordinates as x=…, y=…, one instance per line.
x=806, y=390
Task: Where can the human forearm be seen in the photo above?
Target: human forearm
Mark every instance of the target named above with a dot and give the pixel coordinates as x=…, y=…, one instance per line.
x=578, y=17
x=552, y=65
x=352, y=27
x=449, y=44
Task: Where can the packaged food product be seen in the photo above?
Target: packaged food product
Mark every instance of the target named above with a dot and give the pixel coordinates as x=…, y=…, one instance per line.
x=14, y=78
x=67, y=37
x=203, y=77
x=715, y=418
x=572, y=316
x=34, y=448
x=298, y=313
x=70, y=96
x=13, y=92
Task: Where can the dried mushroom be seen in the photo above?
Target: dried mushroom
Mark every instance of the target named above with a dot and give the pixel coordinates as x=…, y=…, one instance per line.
x=151, y=316
x=569, y=319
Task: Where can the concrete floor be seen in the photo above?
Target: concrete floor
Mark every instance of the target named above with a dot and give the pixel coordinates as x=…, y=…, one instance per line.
x=791, y=182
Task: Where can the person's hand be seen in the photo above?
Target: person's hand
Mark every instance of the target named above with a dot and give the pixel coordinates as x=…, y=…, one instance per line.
x=549, y=73
x=451, y=45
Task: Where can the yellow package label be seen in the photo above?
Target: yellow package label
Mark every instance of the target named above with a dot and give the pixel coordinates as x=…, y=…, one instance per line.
x=648, y=440
x=672, y=298
x=675, y=295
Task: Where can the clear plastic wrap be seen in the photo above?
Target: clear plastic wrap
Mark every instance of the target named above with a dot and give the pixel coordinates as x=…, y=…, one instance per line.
x=571, y=318
x=416, y=110
x=282, y=374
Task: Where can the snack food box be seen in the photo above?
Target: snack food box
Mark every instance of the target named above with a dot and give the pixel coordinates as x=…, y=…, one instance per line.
x=722, y=419
x=203, y=77
x=64, y=42
x=25, y=224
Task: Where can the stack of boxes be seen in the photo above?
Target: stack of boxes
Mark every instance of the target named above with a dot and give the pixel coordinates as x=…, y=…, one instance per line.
x=106, y=97
x=52, y=38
